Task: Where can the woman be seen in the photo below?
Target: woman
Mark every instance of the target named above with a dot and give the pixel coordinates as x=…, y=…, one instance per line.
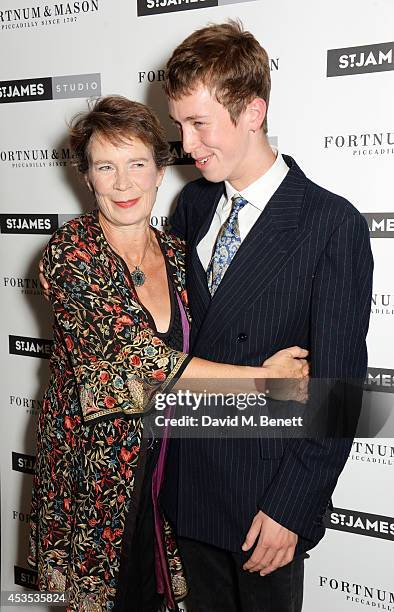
x=120, y=335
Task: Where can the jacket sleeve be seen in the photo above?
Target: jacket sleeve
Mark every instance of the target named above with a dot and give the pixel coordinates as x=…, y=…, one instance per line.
x=340, y=308
x=178, y=220
x=116, y=359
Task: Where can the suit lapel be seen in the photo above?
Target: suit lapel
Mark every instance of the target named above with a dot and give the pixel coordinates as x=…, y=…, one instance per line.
x=266, y=249
x=199, y=295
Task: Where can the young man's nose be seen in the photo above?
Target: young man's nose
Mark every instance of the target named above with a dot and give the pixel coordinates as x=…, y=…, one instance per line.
x=189, y=140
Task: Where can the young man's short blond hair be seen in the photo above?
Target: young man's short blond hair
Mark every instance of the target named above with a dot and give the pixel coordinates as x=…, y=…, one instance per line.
x=229, y=61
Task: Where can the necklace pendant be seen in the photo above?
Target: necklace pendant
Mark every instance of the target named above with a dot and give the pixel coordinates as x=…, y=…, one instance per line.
x=138, y=277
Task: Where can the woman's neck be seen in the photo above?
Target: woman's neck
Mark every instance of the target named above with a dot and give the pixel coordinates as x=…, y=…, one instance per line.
x=130, y=242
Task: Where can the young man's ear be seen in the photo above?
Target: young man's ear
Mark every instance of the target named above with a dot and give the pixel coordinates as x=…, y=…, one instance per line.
x=256, y=111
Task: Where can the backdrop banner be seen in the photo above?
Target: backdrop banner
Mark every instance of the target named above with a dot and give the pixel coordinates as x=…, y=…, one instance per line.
x=331, y=108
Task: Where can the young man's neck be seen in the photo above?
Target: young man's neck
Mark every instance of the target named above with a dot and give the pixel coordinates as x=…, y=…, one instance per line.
x=259, y=160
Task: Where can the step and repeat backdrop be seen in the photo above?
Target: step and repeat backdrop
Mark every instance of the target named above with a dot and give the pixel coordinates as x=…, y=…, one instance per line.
x=331, y=109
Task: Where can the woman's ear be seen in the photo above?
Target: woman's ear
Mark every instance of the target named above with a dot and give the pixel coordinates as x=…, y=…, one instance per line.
x=87, y=181
x=160, y=176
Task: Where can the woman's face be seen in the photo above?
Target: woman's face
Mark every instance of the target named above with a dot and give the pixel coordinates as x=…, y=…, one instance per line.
x=124, y=179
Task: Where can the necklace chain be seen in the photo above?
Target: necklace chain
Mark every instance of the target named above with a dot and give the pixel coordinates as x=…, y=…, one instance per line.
x=137, y=275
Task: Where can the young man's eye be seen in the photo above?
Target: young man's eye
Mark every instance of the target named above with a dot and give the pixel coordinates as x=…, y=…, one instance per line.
x=198, y=124
x=105, y=168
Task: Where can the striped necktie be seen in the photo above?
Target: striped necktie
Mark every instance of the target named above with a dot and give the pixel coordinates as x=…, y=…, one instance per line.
x=227, y=244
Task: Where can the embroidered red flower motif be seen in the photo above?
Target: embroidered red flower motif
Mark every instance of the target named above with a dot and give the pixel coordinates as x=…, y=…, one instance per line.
x=83, y=255
x=109, y=402
x=51, y=494
x=125, y=320
x=66, y=503
x=69, y=343
x=68, y=422
x=117, y=309
x=170, y=253
x=121, y=498
x=104, y=376
x=135, y=360
x=125, y=454
x=159, y=375
x=108, y=534
x=107, y=307
x=95, y=288
x=110, y=440
x=93, y=522
x=184, y=296
x=156, y=341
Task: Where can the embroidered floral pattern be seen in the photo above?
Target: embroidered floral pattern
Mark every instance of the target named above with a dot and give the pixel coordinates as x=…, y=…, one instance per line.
x=106, y=365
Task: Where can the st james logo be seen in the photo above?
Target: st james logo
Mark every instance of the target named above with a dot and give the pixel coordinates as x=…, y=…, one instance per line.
x=153, y=7
x=23, y=463
x=28, y=224
x=47, y=224
x=381, y=225
x=50, y=88
x=26, y=578
x=360, y=60
x=379, y=379
x=362, y=523
x=30, y=347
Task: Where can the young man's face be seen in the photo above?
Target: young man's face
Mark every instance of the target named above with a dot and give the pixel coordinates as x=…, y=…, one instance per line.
x=222, y=150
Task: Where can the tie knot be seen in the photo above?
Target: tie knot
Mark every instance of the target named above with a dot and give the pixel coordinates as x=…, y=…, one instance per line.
x=238, y=202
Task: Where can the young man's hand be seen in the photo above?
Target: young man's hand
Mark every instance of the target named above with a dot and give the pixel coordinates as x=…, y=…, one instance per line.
x=275, y=545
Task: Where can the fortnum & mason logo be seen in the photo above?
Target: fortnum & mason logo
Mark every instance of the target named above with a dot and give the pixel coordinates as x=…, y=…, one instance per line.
x=155, y=7
x=158, y=75
x=360, y=60
x=374, y=453
x=368, y=595
x=36, y=157
x=366, y=144
x=50, y=88
x=59, y=13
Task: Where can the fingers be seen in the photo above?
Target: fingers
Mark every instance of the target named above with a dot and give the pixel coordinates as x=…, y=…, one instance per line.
x=252, y=534
x=296, y=352
x=41, y=265
x=280, y=560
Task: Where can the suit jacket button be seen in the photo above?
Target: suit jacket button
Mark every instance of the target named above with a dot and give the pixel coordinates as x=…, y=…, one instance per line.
x=242, y=337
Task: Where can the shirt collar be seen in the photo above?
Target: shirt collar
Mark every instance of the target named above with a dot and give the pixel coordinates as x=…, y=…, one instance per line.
x=260, y=191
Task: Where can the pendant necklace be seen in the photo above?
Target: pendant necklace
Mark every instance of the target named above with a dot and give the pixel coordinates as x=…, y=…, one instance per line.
x=137, y=275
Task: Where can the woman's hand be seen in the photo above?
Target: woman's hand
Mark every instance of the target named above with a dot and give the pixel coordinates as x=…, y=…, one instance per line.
x=288, y=363
x=288, y=375
x=43, y=281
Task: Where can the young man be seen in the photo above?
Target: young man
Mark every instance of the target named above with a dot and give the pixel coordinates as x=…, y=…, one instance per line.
x=273, y=261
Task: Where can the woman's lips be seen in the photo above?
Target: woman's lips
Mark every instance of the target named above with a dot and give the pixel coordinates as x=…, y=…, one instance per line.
x=127, y=203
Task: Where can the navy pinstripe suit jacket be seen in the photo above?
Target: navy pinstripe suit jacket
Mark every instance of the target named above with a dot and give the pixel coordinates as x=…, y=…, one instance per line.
x=302, y=277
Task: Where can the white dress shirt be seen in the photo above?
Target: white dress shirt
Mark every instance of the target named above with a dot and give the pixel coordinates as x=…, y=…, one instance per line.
x=258, y=194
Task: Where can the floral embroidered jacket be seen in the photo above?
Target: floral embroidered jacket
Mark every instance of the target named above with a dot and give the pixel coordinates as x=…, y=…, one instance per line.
x=106, y=366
